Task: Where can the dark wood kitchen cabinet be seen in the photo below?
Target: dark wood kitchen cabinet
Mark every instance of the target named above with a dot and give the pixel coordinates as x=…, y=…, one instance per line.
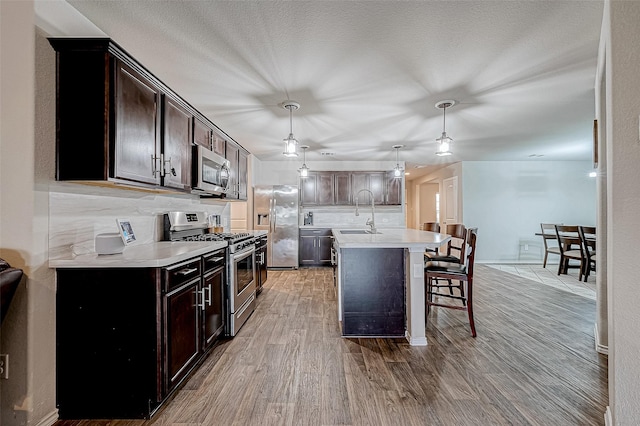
x=315, y=247
x=393, y=191
x=372, y=181
x=202, y=134
x=116, y=123
x=176, y=156
x=127, y=338
x=137, y=141
x=317, y=189
x=238, y=178
x=342, y=188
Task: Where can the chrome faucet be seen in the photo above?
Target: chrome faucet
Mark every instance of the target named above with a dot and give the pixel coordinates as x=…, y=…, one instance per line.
x=370, y=222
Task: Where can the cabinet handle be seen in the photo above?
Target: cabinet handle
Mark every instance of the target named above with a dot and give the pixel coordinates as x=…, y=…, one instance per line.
x=200, y=293
x=185, y=272
x=153, y=165
x=209, y=296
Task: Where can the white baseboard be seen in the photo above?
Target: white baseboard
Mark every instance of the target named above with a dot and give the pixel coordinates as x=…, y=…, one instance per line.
x=413, y=341
x=49, y=419
x=608, y=421
x=600, y=348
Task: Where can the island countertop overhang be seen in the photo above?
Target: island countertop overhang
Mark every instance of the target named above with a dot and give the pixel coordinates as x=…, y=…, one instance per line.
x=412, y=239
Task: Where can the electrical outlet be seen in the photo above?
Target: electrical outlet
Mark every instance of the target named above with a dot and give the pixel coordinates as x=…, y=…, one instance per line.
x=526, y=247
x=4, y=366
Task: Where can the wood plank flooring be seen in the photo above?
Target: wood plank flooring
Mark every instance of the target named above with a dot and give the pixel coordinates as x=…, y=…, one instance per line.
x=533, y=363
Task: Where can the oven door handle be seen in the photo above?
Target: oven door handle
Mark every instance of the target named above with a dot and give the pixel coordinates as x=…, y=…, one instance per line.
x=243, y=254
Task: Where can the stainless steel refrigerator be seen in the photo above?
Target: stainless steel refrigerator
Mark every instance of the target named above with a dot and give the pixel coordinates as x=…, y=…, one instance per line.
x=275, y=209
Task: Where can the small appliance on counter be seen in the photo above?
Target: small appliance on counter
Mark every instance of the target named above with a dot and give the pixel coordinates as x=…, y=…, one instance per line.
x=308, y=218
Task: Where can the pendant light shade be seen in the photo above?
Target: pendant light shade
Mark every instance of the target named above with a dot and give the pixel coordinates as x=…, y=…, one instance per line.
x=444, y=142
x=304, y=170
x=290, y=142
x=397, y=170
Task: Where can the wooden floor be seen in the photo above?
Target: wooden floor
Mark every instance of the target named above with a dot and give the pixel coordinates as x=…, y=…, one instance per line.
x=533, y=363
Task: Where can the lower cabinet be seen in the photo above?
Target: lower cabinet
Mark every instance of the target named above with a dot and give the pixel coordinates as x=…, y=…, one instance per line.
x=373, y=292
x=126, y=338
x=315, y=247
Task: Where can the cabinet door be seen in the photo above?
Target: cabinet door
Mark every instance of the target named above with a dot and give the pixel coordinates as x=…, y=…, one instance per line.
x=177, y=145
x=243, y=169
x=137, y=145
x=212, y=308
x=181, y=324
x=219, y=144
x=342, y=189
x=309, y=190
x=201, y=134
x=376, y=185
x=360, y=181
x=324, y=188
x=308, y=249
x=232, y=151
x=394, y=189
x=325, y=242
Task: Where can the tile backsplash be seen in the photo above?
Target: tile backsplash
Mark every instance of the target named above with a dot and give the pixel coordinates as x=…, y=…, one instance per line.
x=75, y=218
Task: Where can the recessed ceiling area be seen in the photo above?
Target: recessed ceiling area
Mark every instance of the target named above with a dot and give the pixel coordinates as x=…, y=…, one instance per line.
x=367, y=74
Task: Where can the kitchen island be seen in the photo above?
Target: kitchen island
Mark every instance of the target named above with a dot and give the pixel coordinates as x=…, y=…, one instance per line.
x=375, y=273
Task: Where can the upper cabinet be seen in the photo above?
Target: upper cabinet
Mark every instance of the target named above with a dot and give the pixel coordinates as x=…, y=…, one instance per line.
x=137, y=125
x=117, y=123
x=238, y=158
x=176, y=156
x=342, y=188
x=202, y=134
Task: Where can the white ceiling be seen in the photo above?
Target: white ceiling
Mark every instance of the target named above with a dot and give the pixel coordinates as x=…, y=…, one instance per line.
x=369, y=73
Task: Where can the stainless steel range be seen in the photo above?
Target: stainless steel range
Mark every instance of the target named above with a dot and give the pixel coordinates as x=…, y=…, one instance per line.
x=240, y=258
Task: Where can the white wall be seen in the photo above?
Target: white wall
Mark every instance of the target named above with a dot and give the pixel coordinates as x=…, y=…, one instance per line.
x=28, y=331
x=621, y=33
x=507, y=201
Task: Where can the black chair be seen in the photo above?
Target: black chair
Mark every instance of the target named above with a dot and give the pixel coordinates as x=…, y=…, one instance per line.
x=455, y=251
x=431, y=227
x=588, y=245
x=9, y=280
x=453, y=271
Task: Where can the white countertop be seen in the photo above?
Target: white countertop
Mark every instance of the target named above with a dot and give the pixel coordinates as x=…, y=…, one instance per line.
x=151, y=255
x=391, y=238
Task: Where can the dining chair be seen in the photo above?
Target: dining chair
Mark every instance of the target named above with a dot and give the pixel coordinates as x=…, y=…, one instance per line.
x=588, y=244
x=549, y=236
x=569, y=244
x=436, y=271
x=455, y=246
x=431, y=227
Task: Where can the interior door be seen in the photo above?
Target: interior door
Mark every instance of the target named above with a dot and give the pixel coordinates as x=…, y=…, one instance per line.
x=450, y=202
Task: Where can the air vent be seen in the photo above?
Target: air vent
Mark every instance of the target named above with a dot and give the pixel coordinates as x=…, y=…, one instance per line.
x=326, y=153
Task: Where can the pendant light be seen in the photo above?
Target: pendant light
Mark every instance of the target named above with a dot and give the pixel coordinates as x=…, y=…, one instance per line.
x=304, y=170
x=290, y=143
x=444, y=141
x=397, y=170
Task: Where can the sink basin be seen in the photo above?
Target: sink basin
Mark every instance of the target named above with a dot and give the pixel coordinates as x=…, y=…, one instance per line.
x=356, y=231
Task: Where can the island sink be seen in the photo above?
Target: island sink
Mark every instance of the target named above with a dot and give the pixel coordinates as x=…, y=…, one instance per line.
x=357, y=231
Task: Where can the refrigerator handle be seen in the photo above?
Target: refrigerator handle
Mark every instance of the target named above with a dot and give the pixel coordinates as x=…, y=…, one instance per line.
x=271, y=215
x=274, y=216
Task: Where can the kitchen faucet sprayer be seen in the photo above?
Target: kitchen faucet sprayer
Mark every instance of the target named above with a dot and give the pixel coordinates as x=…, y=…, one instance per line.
x=370, y=222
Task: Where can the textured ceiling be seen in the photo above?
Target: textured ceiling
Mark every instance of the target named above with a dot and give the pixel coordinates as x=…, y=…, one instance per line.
x=368, y=73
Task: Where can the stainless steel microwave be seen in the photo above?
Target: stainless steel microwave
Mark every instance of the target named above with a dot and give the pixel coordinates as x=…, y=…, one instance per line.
x=210, y=172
